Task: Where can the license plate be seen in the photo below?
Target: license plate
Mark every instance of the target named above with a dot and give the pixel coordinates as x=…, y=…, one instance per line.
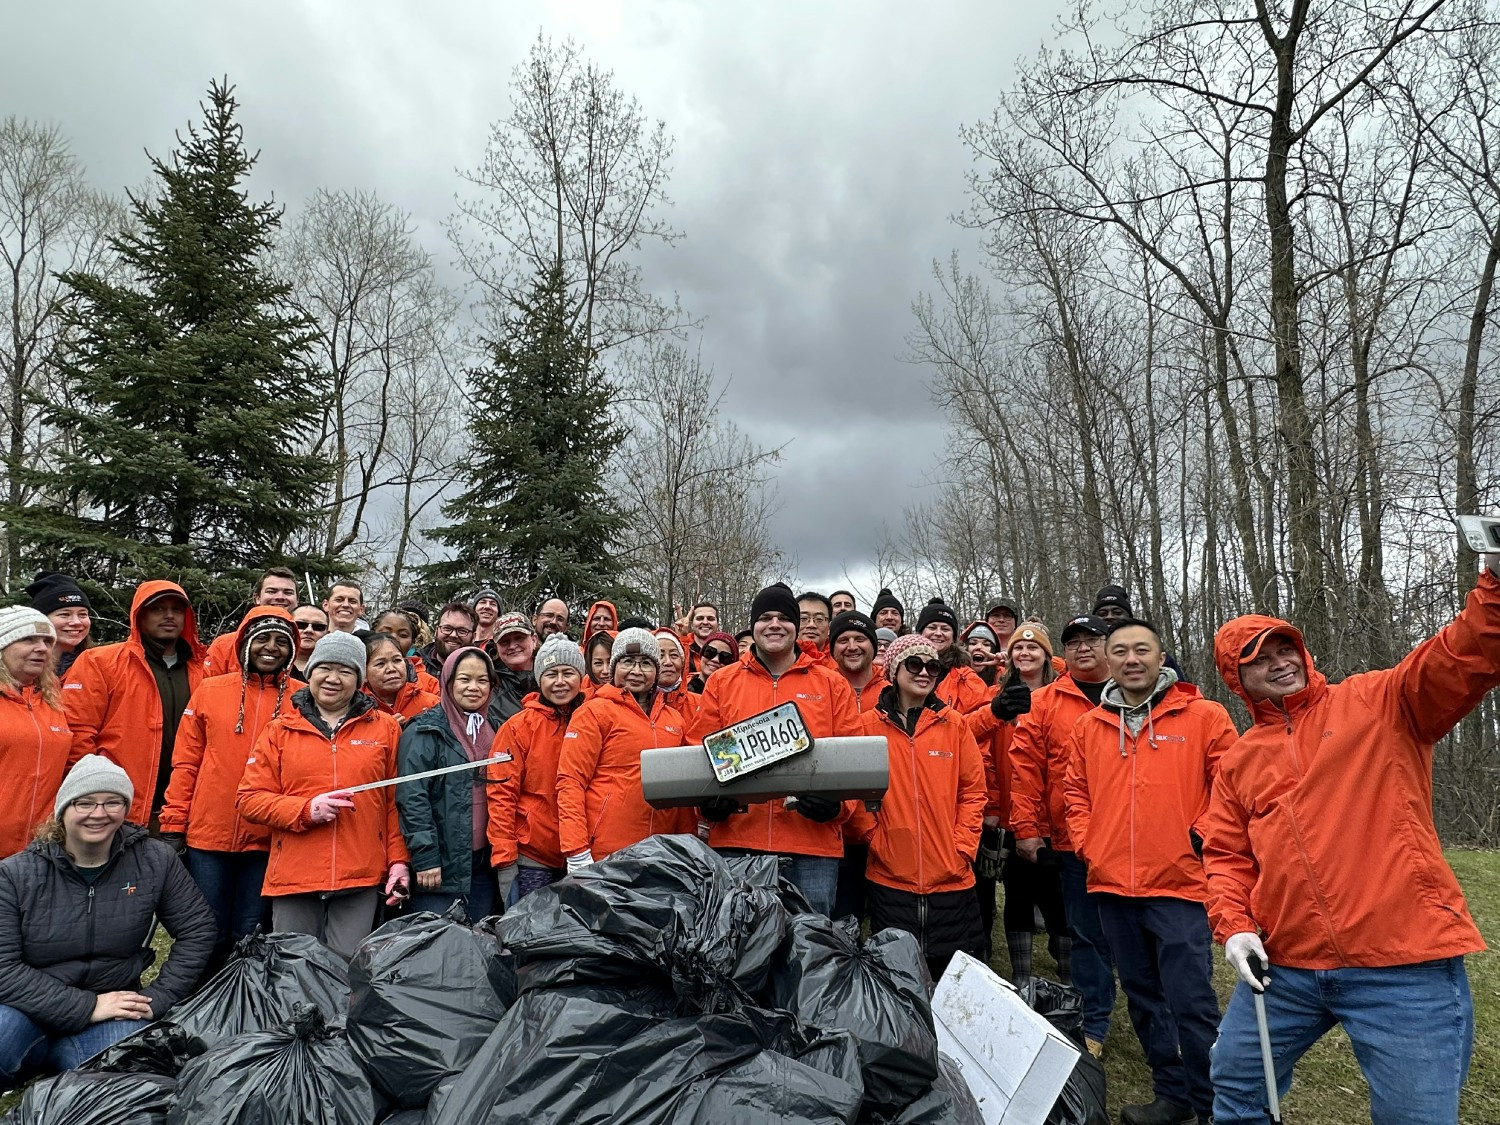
x=757, y=742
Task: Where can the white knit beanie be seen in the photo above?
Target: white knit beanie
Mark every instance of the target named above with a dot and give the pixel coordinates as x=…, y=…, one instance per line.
x=93, y=773
x=558, y=650
x=17, y=622
x=634, y=642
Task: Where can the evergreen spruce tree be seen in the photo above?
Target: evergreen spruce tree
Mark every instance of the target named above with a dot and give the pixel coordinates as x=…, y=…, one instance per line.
x=535, y=516
x=191, y=395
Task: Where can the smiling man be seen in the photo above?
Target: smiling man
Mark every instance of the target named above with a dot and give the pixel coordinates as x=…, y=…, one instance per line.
x=344, y=605
x=1323, y=861
x=1139, y=770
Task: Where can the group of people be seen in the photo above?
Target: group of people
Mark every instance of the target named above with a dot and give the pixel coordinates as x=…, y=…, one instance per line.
x=1119, y=809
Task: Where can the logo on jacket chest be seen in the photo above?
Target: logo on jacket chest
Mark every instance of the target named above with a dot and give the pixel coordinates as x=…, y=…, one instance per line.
x=128, y=888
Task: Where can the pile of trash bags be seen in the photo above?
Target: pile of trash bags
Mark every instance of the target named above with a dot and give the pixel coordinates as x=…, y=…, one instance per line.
x=665, y=984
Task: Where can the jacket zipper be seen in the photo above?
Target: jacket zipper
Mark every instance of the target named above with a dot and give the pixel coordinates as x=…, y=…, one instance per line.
x=1135, y=751
x=333, y=848
x=36, y=774
x=1291, y=812
x=89, y=913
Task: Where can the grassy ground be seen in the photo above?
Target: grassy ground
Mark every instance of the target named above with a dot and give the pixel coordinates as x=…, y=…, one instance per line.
x=1328, y=1089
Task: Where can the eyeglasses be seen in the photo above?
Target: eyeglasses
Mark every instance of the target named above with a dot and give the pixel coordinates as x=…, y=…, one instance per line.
x=111, y=805
x=633, y=662
x=454, y=631
x=312, y=627
x=815, y=618
x=718, y=655
x=1082, y=642
x=916, y=666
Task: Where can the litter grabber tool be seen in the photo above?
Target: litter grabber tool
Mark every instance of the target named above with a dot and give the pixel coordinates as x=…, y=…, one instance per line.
x=1273, y=1103
x=496, y=760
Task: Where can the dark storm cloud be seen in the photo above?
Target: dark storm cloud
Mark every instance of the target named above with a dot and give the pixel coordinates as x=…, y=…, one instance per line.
x=817, y=161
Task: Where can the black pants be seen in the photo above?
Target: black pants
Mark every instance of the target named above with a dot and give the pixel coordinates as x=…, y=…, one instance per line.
x=849, y=899
x=943, y=922
x=1029, y=887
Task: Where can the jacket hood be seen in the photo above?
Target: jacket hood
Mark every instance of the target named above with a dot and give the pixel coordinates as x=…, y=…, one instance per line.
x=589, y=616
x=155, y=588
x=1113, y=699
x=1232, y=639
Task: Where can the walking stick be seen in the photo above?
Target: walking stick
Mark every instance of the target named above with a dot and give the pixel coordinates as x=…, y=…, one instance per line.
x=1258, y=967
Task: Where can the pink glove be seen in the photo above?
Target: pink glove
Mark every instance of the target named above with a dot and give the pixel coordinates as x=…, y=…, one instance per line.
x=396, y=883
x=326, y=806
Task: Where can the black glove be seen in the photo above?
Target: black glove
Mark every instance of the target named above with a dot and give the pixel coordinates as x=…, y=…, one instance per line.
x=177, y=841
x=1197, y=842
x=1014, y=700
x=718, y=808
x=819, y=809
x=987, y=862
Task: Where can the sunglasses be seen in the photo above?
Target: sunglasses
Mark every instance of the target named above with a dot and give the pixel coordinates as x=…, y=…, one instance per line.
x=312, y=626
x=916, y=666
x=717, y=654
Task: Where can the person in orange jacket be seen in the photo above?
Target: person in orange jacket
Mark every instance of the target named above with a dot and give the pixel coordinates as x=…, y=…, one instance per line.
x=1038, y=759
x=1320, y=837
x=986, y=653
x=389, y=682
x=277, y=587
x=34, y=734
x=809, y=835
x=925, y=836
x=523, y=829
x=600, y=806
x=124, y=701
x=331, y=850
x=673, y=673
x=718, y=650
x=224, y=853
x=1140, y=767
x=961, y=687
x=1030, y=886
x=602, y=617
x=851, y=643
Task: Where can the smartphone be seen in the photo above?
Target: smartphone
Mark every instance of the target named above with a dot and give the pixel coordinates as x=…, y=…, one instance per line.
x=1481, y=533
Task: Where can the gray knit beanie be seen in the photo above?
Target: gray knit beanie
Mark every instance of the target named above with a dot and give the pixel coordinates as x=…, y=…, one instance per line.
x=558, y=650
x=338, y=648
x=93, y=773
x=634, y=642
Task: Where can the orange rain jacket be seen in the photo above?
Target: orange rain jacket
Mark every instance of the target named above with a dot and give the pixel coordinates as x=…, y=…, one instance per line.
x=963, y=689
x=424, y=679
x=600, y=806
x=114, y=706
x=589, y=616
x=994, y=738
x=523, y=791
x=827, y=705
x=208, y=759
x=1134, y=800
x=223, y=658
x=926, y=832
x=293, y=762
x=1038, y=761
x=34, y=745
x=411, y=701
x=1320, y=832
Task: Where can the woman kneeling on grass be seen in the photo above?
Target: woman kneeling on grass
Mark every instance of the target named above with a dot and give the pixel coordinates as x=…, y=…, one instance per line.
x=77, y=909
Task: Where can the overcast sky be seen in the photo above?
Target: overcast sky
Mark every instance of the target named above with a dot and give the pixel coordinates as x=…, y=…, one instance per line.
x=817, y=163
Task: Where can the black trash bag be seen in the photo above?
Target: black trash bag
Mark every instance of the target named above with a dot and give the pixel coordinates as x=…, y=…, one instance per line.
x=1082, y=1099
x=426, y=990
x=566, y=1059
x=158, y=1048
x=404, y=1117
x=1061, y=1004
x=949, y=1102
x=302, y=1071
x=667, y=909
x=80, y=1097
x=878, y=992
x=768, y=870
x=267, y=977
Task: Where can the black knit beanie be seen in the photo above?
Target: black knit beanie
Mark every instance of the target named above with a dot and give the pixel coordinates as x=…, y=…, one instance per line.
x=50, y=592
x=887, y=600
x=851, y=619
x=1112, y=595
x=776, y=597
x=937, y=610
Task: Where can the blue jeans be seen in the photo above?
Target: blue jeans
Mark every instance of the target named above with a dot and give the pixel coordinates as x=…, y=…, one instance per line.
x=231, y=882
x=26, y=1047
x=480, y=899
x=1411, y=1026
x=816, y=876
x=1093, y=971
x=1164, y=952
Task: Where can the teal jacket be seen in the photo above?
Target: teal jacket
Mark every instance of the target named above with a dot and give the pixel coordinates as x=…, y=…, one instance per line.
x=437, y=814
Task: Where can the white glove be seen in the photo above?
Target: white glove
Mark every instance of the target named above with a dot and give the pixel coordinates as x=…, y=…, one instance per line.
x=577, y=863
x=1491, y=559
x=1239, y=949
x=506, y=877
